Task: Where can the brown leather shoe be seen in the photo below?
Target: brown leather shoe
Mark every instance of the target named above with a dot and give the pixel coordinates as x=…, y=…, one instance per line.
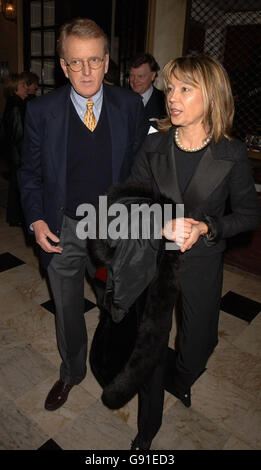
x=57, y=395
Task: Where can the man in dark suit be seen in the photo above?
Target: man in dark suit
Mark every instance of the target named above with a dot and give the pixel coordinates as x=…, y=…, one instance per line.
x=143, y=71
x=78, y=141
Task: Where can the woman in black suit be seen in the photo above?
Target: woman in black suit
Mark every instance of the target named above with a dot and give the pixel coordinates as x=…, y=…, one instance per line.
x=194, y=161
x=15, y=91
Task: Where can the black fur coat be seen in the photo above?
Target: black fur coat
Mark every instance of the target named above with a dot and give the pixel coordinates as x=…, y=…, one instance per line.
x=123, y=355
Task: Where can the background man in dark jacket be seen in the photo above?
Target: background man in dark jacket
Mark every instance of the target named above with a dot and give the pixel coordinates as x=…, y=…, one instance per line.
x=79, y=140
x=143, y=71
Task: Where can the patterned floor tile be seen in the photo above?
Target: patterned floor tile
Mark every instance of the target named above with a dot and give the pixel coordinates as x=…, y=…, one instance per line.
x=49, y=305
x=9, y=261
x=96, y=429
x=21, y=368
x=240, y=306
x=50, y=445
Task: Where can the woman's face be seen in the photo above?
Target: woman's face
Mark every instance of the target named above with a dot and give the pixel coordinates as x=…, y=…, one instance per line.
x=185, y=104
x=22, y=89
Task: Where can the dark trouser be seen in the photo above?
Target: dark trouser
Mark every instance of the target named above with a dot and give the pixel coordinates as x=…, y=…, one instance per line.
x=66, y=274
x=199, y=301
x=150, y=403
x=198, y=314
x=151, y=393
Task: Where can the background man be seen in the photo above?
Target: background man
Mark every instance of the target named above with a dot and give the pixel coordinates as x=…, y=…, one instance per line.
x=143, y=71
x=78, y=141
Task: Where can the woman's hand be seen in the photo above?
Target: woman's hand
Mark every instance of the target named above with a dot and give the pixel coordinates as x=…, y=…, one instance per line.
x=178, y=230
x=196, y=231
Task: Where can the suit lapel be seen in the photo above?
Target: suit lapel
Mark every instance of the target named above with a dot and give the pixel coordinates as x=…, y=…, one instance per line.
x=118, y=129
x=163, y=166
x=58, y=133
x=209, y=174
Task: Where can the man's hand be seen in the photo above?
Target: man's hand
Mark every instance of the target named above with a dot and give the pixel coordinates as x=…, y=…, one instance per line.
x=179, y=229
x=42, y=232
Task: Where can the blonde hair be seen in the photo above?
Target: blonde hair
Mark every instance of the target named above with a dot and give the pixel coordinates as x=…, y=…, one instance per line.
x=84, y=28
x=210, y=76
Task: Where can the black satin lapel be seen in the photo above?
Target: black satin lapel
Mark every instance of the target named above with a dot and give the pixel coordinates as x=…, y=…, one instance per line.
x=207, y=177
x=165, y=173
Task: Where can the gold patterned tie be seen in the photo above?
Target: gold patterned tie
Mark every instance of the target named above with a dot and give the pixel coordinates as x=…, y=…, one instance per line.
x=89, y=118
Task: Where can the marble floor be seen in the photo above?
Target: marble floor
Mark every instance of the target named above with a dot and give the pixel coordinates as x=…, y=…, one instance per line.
x=226, y=399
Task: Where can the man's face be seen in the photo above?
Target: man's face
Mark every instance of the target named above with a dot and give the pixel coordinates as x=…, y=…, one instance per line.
x=22, y=89
x=87, y=81
x=32, y=89
x=141, y=78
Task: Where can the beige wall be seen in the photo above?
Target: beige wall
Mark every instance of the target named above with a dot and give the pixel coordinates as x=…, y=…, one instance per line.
x=11, y=46
x=166, y=30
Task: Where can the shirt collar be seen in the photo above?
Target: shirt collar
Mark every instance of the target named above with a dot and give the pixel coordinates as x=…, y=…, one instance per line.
x=80, y=101
x=146, y=96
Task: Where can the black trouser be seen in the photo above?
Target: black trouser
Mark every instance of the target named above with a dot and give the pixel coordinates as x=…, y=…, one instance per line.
x=150, y=403
x=199, y=301
x=198, y=314
x=66, y=274
x=151, y=393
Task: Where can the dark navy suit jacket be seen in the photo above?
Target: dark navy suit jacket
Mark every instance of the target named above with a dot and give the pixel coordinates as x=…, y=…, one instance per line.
x=155, y=108
x=43, y=175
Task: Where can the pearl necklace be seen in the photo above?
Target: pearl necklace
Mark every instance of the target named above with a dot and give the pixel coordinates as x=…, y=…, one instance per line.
x=193, y=149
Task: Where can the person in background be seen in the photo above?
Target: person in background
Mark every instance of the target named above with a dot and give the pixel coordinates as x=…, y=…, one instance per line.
x=143, y=71
x=194, y=161
x=32, y=82
x=72, y=153
x=15, y=92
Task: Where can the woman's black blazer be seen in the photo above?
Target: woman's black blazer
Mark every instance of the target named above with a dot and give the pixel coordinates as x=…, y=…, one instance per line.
x=222, y=186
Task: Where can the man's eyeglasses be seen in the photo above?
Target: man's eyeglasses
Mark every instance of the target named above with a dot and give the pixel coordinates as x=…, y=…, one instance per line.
x=76, y=65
